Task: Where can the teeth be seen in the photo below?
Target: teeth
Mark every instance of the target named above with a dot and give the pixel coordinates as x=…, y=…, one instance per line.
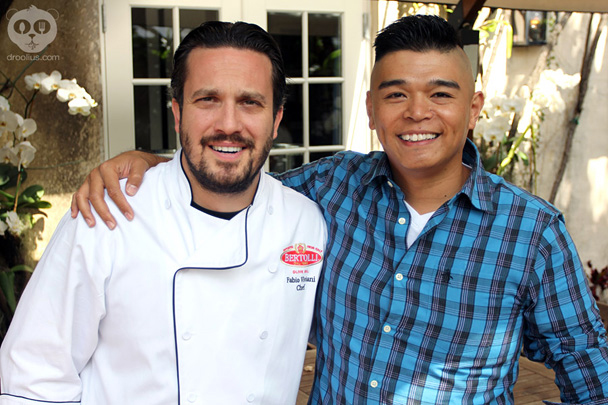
x=227, y=149
x=418, y=137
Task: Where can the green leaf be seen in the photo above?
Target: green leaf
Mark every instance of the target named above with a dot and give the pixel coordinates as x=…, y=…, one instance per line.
x=21, y=267
x=524, y=158
x=36, y=191
x=7, y=284
x=34, y=204
x=31, y=195
x=8, y=175
x=10, y=197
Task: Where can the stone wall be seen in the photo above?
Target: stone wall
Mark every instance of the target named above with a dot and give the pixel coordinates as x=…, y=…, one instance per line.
x=583, y=194
x=68, y=147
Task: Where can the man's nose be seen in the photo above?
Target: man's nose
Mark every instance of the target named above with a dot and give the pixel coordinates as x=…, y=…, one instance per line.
x=227, y=120
x=418, y=108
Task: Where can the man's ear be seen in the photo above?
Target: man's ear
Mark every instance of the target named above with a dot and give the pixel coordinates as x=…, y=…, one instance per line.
x=277, y=120
x=370, y=111
x=476, y=106
x=176, y=114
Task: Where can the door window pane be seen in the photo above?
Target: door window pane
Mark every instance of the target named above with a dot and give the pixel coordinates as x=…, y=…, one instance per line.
x=190, y=19
x=152, y=42
x=281, y=163
x=324, y=45
x=318, y=155
x=325, y=114
x=154, y=125
x=291, y=130
x=286, y=29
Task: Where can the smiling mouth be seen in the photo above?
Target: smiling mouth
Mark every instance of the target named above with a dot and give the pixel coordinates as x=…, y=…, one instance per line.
x=418, y=137
x=227, y=149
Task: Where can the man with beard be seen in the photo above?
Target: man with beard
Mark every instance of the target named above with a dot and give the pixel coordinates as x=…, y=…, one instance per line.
x=207, y=295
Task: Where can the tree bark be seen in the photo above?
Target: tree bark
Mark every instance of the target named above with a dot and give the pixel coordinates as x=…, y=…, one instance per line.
x=578, y=109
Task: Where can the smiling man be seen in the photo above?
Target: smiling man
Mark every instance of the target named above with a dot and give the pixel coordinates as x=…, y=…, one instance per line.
x=197, y=300
x=437, y=273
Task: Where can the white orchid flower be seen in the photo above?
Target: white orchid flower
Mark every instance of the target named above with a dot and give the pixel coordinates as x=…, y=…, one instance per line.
x=512, y=104
x=4, y=104
x=561, y=79
x=493, y=129
x=50, y=83
x=26, y=128
x=33, y=82
x=79, y=106
x=3, y=227
x=69, y=90
x=547, y=95
x=89, y=99
x=15, y=225
x=8, y=121
x=488, y=109
x=8, y=154
x=26, y=153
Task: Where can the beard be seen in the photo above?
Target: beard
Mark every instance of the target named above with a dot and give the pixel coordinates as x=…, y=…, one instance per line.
x=229, y=179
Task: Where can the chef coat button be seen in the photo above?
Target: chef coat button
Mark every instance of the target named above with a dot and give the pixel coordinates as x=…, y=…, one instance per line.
x=263, y=335
x=270, y=210
x=186, y=336
x=399, y=276
x=272, y=269
x=192, y=397
x=167, y=203
x=390, y=184
x=250, y=398
x=401, y=221
x=374, y=384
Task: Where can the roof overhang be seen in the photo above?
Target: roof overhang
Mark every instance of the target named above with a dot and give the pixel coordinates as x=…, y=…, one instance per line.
x=597, y=6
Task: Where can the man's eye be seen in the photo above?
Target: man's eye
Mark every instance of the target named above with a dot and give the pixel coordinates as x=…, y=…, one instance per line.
x=395, y=95
x=442, y=95
x=252, y=102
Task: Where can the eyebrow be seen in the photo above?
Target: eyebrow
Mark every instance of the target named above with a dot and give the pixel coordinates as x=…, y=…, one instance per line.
x=205, y=92
x=435, y=82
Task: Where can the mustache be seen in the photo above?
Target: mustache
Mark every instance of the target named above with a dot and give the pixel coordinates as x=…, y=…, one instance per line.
x=235, y=138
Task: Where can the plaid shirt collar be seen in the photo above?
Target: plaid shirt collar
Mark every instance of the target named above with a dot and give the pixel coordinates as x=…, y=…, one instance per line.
x=476, y=188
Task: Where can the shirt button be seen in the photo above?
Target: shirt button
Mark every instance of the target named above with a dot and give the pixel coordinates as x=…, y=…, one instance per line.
x=186, y=336
x=387, y=328
x=167, y=203
x=272, y=269
x=250, y=398
x=401, y=221
x=373, y=384
x=399, y=276
x=263, y=335
x=192, y=397
x=270, y=210
x=390, y=184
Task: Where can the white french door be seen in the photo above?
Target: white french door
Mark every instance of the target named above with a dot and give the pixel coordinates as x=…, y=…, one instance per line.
x=322, y=41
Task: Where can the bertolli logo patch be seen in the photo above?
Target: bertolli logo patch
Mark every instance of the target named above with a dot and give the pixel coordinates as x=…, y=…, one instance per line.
x=301, y=255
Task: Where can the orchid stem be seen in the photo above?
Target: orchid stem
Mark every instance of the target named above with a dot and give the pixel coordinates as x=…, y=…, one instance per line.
x=17, y=189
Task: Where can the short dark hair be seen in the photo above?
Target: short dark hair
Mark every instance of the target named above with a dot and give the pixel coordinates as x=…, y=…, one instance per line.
x=418, y=33
x=239, y=35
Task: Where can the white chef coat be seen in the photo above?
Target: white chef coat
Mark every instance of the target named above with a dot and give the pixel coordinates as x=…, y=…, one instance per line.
x=176, y=306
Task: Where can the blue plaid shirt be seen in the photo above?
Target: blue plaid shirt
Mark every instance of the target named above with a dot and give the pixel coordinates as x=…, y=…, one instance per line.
x=444, y=321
